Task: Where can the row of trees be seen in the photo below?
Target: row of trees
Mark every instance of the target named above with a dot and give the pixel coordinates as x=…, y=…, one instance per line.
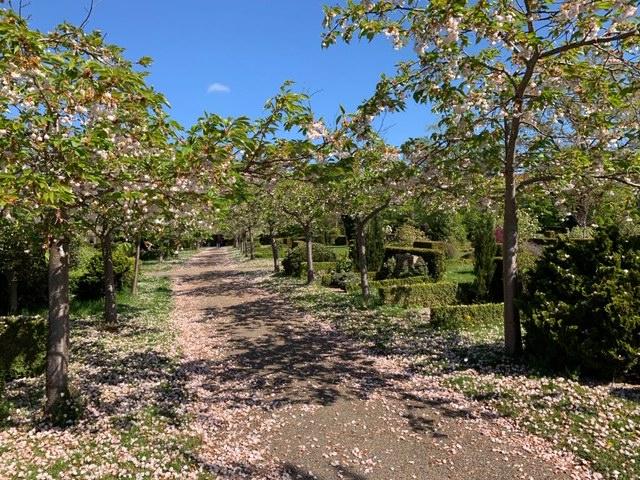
x=88, y=148
x=534, y=98
x=528, y=91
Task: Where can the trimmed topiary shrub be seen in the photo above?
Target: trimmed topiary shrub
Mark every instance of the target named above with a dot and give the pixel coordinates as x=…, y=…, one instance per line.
x=484, y=250
x=390, y=282
x=459, y=317
x=292, y=263
x=87, y=280
x=581, y=307
x=375, y=245
x=434, y=259
x=318, y=267
x=321, y=253
x=295, y=261
x=24, y=345
x=429, y=244
x=425, y=295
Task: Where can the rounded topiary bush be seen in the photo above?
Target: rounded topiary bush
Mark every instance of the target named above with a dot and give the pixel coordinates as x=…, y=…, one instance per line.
x=88, y=280
x=581, y=305
x=292, y=263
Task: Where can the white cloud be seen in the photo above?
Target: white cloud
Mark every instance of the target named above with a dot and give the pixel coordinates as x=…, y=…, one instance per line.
x=218, y=88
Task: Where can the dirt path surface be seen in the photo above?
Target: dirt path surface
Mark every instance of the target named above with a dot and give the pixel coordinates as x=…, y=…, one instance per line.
x=277, y=394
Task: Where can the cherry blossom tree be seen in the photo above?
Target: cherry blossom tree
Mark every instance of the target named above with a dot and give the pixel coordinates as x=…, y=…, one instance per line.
x=531, y=77
x=366, y=177
x=303, y=198
x=66, y=97
x=274, y=220
x=133, y=183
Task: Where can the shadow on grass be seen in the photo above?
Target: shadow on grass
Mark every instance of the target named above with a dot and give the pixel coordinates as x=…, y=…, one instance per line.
x=631, y=393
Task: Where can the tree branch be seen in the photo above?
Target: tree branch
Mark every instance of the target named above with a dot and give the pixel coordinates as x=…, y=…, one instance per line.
x=586, y=43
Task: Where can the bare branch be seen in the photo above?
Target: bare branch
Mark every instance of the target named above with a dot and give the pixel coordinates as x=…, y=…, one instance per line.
x=89, y=12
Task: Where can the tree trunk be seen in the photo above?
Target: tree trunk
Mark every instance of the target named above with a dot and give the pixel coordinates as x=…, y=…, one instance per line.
x=274, y=251
x=512, y=330
x=13, y=292
x=110, y=307
x=311, y=275
x=361, y=249
x=136, y=268
x=57, y=382
x=251, y=246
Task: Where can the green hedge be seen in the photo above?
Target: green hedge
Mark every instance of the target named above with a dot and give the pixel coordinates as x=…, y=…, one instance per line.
x=326, y=279
x=427, y=294
x=429, y=244
x=434, y=258
x=294, y=262
x=340, y=241
x=457, y=317
x=390, y=282
x=318, y=267
x=23, y=348
x=263, y=251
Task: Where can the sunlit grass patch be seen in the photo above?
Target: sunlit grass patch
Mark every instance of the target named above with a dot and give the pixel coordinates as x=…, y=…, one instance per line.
x=459, y=271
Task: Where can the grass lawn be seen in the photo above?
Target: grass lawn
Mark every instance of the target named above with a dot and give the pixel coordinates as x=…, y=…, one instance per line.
x=600, y=423
x=134, y=424
x=460, y=271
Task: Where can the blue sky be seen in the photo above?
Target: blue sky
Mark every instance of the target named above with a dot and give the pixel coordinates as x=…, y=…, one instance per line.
x=229, y=57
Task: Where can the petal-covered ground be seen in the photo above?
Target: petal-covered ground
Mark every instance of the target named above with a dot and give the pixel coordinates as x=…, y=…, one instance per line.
x=279, y=394
x=598, y=422
x=216, y=374
x=134, y=425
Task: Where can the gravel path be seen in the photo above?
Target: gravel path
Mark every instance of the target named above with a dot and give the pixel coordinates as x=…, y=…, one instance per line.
x=277, y=394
